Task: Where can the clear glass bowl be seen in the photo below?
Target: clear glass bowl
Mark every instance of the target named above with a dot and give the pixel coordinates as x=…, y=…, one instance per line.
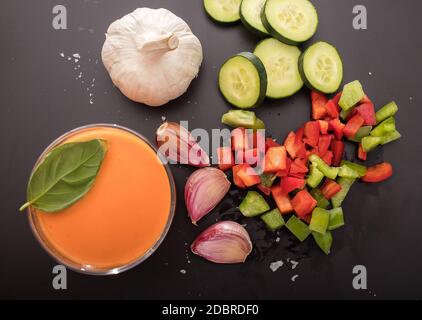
x=88, y=269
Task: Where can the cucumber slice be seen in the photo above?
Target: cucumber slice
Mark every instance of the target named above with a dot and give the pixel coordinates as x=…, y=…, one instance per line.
x=281, y=64
x=243, y=80
x=290, y=21
x=250, y=14
x=223, y=11
x=321, y=68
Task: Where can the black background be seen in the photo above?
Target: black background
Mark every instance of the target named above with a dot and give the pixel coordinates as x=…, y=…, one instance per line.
x=40, y=99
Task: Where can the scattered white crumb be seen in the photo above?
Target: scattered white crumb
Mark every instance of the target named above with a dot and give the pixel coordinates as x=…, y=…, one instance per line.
x=163, y=118
x=274, y=266
x=277, y=239
x=295, y=277
x=69, y=58
x=62, y=54
x=370, y=73
x=410, y=98
x=294, y=264
x=244, y=225
x=76, y=60
x=91, y=101
x=182, y=271
x=288, y=259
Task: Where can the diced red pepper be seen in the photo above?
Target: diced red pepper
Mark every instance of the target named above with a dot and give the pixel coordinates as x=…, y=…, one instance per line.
x=311, y=133
x=328, y=158
x=332, y=109
x=251, y=156
x=353, y=126
x=307, y=218
x=299, y=134
x=319, y=101
x=236, y=179
x=275, y=159
x=330, y=188
x=240, y=140
x=323, y=126
x=225, y=158
x=303, y=203
x=289, y=184
x=265, y=190
x=297, y=175
x=338, y=152
x=285, y=172
x=270, y=143
x=337, y=127
x=282, y=200
x=378, y=173
x=248, y=175
x=298, y=167
x=362, y=155
x=295, y=147
x=367, y=112
x=324, y=144
x=337, y=98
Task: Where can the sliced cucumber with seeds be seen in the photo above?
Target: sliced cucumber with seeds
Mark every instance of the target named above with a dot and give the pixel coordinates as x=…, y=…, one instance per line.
x=243, y=80
x=290, y=21
x=223, y=11
x=321, y=68
x=281, y=63
x=250, y=14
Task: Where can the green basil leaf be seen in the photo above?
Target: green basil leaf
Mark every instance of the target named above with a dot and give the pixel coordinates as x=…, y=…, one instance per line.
x=65, y=175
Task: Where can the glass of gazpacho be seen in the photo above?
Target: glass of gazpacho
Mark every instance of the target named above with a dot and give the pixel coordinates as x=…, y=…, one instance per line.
x=125, y=216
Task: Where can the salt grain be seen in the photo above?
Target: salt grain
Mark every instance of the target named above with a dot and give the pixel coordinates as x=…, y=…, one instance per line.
x=274, y=266
x=277, y=239
x=295, y=277
x=294, y=264
x=182, y=271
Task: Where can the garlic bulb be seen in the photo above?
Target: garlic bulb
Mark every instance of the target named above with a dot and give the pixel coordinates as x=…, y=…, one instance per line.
x=151, y=55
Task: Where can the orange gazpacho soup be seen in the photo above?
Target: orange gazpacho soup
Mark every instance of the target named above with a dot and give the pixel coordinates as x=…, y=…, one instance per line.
x=124, y=214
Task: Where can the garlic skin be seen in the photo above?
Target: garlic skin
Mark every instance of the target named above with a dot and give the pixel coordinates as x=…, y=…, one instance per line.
x=204, y=190
x=224, y=242
x=151, y=55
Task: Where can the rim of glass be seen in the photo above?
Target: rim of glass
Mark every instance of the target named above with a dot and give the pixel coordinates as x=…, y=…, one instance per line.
x=92, y=270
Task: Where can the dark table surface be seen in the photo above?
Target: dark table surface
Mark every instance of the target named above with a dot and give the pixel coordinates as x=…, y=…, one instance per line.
x=42, y=97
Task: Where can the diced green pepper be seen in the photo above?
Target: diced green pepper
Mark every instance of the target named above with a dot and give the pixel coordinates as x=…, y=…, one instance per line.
x=360, y=169
x=259, y=124
x=387, y=111
x=370, y=143
x=324, y=241
x=253, y=205
x=242, y=118
x=344, y=114
x=320, y=220
x=393, y=136
x=346, y=184
x=267, y=179
x=352, y=95
x=273, y=219
x=315, y=176
x=336, y=219
x=299, y=229
x=384, y=128
x=362, y=132
x=347, y=172
x=329, y=172
x=322, y=202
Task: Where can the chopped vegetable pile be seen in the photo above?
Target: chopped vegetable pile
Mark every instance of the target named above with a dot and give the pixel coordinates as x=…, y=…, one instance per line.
x=306, y=175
